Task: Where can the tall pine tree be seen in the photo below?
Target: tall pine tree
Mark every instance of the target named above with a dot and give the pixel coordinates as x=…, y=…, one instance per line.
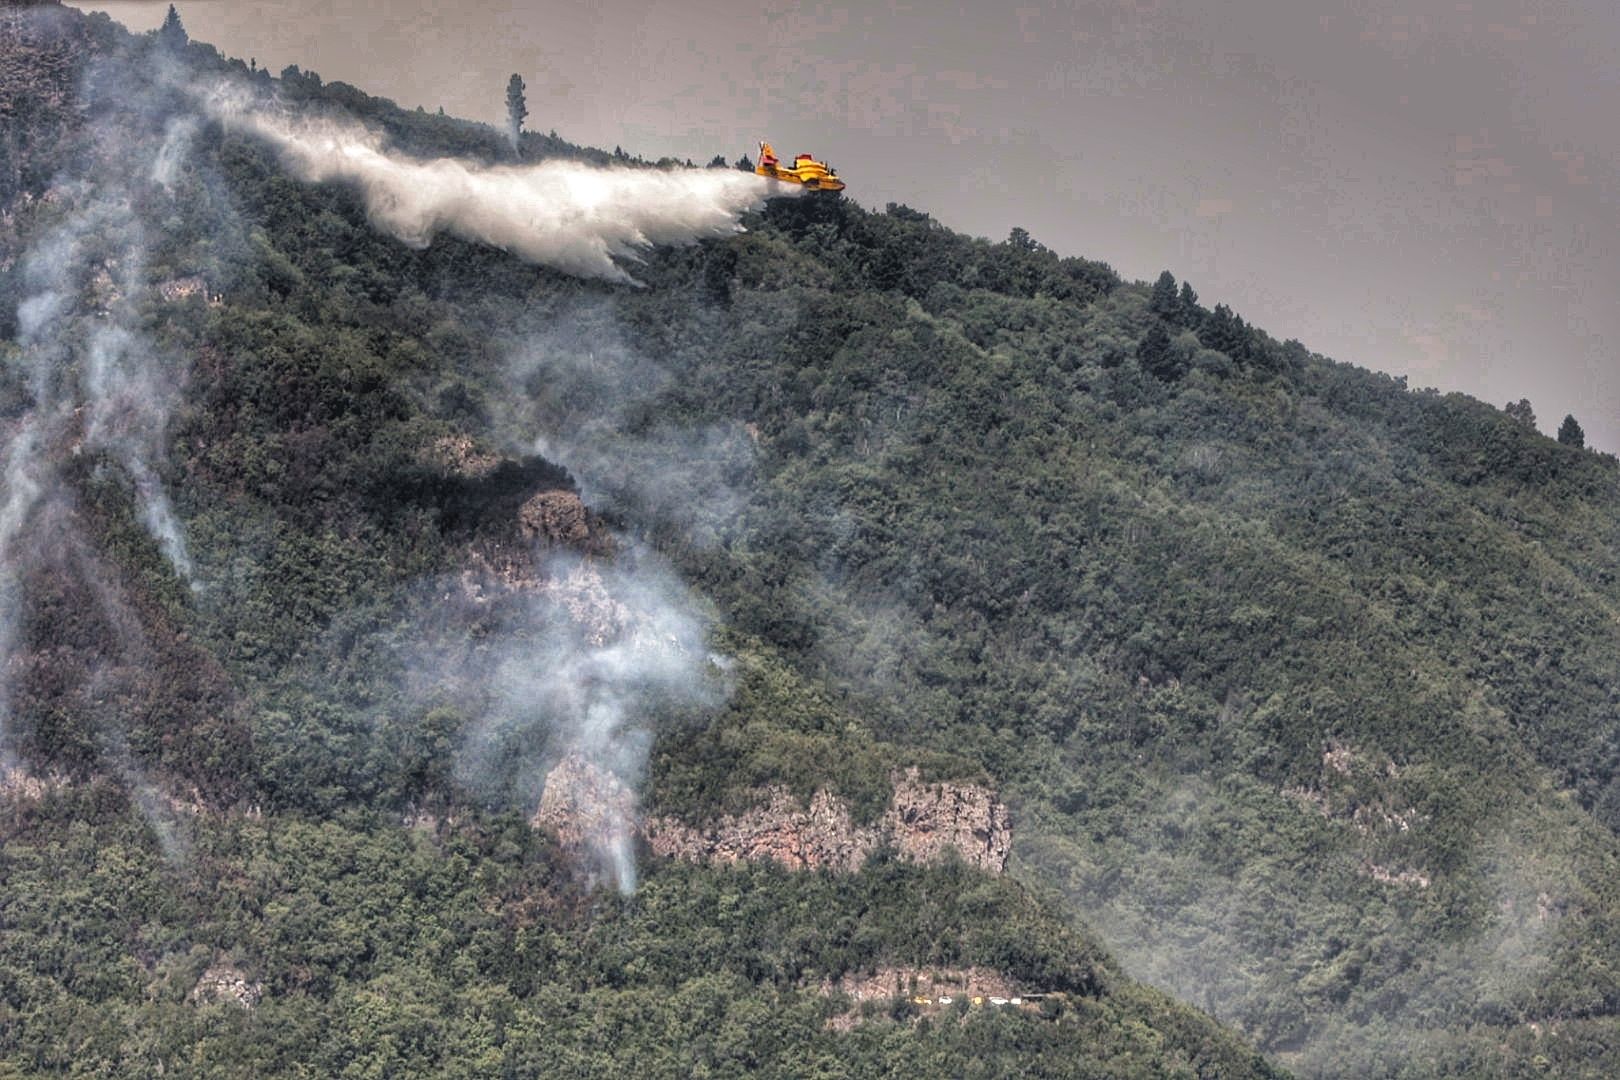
x=1188, y=303
x=172, y=34
x=517, y=107
x=1156, y=355
x=1163, y=302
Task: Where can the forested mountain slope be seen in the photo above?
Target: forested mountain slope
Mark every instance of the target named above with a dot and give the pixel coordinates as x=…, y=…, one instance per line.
x=1297, y=684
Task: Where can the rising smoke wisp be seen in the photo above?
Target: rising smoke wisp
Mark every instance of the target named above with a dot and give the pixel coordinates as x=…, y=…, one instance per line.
x=566, y=215
x=88, y=377
x=585, y=397
x=555, y=689
x=579, y=669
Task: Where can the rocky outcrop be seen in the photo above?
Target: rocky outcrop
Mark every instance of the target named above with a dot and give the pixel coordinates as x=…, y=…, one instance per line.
x=1362, y=791
x=555, y=517
x=494, y=572
x=1385, y=875
x=916, y=984
x=582, y=594
x=504, y=565
x=459, y=456
x=17, y=782
x=820, y=836
x=535, y=549
x=924, y=992
x=584, y=805
x=177, y=289
x=925, y=823
x=227, y=983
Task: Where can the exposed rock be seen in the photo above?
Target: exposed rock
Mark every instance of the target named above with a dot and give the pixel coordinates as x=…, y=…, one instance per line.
x=225, y=982
x=555, y=517
x=498, y=566
x=584, y=805
x=583, y=596
x=176, y=289
x=1389, y=876
x=1361, y=791
x=1358, y=788
x=460, y=456
x=1338, y=758
x=924, y=823
x=889, y=983
x=926, y=992
x=495, y=570
x=822, y=836
x=17, y=782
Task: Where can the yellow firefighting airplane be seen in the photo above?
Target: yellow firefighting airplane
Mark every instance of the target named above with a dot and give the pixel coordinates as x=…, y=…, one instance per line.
x=806, y=170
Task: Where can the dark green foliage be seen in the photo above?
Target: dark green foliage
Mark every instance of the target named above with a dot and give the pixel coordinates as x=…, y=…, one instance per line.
x=1299, y=682
x=1570, y=433
x=1224, y=332
x=468, y=952
x=1020, y=240
x=274, y=698
x=517, y=107
x=172, y=34
x=1157, y=357
x=1187, y=306
x=1164, y=301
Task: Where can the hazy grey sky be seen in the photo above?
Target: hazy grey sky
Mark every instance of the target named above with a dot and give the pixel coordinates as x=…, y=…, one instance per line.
x=1426, y=187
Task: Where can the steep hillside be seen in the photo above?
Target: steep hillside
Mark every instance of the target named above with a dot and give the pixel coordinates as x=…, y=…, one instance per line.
x=1295, y=686
x=302, y=638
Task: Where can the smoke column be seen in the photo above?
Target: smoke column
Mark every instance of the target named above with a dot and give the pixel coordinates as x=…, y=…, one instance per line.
x=28, y=474
x=576, y=669
x=583, y=693
x=566, y=215
x=91, y=380
x=129, y=397
x=583, y=397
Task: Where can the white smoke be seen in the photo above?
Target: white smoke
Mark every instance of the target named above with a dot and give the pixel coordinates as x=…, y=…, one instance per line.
x=592, y=657
x=91, y=379
x=39, y=315
x=127, y=404
x=125, y=390
x=566, y=215
x=171, y=154
x=583, y=397
x=24, y=487
x=583, y=665
x=579, y=661
x=29, y=469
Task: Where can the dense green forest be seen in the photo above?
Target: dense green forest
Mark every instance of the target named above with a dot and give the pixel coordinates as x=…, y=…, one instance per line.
x=1299, y=682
